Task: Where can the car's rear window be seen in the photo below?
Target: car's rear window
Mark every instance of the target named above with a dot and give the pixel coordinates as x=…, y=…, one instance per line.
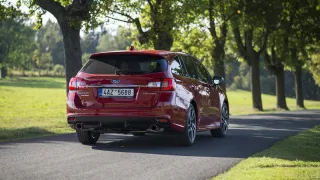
x=125, y=64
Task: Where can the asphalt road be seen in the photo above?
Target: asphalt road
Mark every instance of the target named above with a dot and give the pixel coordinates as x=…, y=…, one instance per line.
x=150, y=157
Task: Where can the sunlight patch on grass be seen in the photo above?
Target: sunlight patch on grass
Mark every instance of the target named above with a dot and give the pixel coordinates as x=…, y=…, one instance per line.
x=31, y=107
x=241, y=103
x=297, y=157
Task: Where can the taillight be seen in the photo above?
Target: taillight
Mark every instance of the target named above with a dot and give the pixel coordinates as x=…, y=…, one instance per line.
x=76, y=83
x=73, y=84
x=166, y=84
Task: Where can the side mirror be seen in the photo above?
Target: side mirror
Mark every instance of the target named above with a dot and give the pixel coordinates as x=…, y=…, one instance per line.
x=218, y=80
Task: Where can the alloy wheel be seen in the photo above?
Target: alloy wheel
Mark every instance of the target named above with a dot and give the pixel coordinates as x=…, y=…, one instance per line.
x=225, y=119
x=192, y=130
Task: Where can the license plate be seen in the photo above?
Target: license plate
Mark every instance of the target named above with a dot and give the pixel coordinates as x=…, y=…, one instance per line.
x=116, y=92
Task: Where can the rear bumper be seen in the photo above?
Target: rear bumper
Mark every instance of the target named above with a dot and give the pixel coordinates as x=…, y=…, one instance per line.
x=128, y=118
x=120, y=124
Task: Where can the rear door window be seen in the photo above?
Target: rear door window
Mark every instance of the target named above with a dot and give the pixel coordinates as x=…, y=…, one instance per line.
x=125, y=64
x=177, y=67
x=203, y=73
x=190, y=66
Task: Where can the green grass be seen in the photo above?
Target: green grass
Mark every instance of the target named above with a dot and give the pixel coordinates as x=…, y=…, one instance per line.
x=297, y=157
x=241, y=103
x=35, y=106
x=31, y=107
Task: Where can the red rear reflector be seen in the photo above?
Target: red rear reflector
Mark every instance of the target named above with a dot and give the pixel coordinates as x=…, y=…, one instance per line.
x=71, y=118
x=163, y=120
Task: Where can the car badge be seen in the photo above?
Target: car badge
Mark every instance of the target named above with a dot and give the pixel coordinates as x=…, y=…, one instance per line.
x=115, y=81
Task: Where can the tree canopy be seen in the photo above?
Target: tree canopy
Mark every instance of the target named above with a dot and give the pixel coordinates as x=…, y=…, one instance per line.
x=281, y=33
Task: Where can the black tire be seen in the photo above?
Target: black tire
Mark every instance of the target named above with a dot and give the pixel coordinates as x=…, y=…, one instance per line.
x=87, y=137
x=187, y=138
x=224, y=123
x=138, y=133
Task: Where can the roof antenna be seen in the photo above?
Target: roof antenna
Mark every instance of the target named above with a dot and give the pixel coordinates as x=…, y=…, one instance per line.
x=131, y=48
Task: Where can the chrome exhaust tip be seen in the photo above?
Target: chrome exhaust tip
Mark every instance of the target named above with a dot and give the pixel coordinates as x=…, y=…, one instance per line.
x=79, y=126
x=154, y=127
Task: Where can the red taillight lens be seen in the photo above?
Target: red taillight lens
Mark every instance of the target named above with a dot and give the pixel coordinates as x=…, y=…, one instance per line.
x=166, y=84
x=73, y=84
x=76, y=83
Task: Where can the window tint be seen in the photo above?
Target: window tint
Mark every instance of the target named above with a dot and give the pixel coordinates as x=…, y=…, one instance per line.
x=177, y=67
x=125, y=64
x=190, y=66
x=203, y=73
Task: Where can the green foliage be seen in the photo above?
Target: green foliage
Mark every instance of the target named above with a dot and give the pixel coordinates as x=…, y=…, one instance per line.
x=49, y=39
x=315, y=67
x=16, y=44
x=22, y=48
x=237, y=83
x=156, y=21
x=88, y=14
x=44, y=61
x=110, y=42
x=257, y=19
x=196, y=42
x=59, y=69
x=242, y=78
x=85, y=58
x=243, y=69
x=295, y=32
x=89, y=42
x=8, y=11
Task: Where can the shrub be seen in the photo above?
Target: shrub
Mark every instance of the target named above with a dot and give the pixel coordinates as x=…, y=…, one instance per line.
x=85, y=58
x=58, y=69
x=237, y=83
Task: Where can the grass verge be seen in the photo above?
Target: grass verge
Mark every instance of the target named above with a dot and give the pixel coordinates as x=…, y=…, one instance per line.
x=31, y=107
x=241, y=103
x=35, y=106
x=297, y=157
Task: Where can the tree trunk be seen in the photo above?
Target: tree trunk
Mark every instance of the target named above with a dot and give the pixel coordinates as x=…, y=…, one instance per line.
x=163, y=41
x=255, y=81
x=4, y=72
x=252, y=56
x=280, y=89
x=299, y=90
x=218, y=62
x=72, y=50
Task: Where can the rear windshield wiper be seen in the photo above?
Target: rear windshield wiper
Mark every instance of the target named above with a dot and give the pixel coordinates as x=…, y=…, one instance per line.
x=129, y=71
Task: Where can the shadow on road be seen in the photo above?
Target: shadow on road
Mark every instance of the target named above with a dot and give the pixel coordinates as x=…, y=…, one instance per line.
x=6, y=134
x=247, y=135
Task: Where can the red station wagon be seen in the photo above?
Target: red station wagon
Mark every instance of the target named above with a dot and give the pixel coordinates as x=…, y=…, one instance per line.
x=146, y=91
